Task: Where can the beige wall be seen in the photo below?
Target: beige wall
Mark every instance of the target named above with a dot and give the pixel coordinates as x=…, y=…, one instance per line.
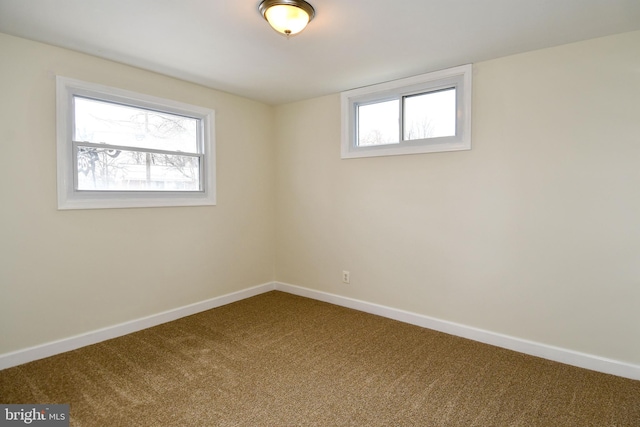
x=67, y=272
x=534, y=233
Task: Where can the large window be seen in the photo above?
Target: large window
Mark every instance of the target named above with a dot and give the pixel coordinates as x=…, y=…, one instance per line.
x=122, y=149
x=422, y=114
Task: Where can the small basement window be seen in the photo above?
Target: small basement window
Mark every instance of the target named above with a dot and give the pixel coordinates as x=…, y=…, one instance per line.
x=422, y=114
x=121, y=149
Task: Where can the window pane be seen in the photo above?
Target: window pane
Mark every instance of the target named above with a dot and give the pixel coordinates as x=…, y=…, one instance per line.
x=115, y=124
x=122, y=170
x=378, y=124
x=430, y=115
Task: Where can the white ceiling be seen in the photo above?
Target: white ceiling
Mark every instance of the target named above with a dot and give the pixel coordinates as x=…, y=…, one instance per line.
x=227, y=45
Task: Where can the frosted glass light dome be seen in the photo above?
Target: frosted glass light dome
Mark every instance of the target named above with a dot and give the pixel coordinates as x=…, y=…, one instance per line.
x=287, y=17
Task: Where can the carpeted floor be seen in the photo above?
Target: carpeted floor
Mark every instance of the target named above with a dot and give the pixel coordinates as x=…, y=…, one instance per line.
x=282, y=360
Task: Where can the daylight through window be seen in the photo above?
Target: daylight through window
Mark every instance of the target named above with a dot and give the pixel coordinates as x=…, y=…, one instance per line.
x=121, y=149
x=422, y=114
x=124, y=148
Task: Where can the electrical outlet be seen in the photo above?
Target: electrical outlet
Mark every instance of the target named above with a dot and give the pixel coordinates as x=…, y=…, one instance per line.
x=346, y=277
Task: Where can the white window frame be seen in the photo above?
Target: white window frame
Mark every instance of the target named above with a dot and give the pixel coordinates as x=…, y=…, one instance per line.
x=70, y=198
x=458, y=77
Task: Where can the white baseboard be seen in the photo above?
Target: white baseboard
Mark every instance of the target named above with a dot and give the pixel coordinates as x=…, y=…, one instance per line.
x=557, y=354
x=19, y=357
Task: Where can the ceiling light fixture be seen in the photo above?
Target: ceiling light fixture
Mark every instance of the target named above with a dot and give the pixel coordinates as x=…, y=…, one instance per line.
x=288, y=17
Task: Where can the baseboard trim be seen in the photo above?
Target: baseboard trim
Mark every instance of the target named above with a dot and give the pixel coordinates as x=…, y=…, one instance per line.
x=557, y=354
x=30, y=354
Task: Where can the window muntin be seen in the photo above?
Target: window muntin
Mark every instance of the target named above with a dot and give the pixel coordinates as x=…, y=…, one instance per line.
x=117, y=148
x=421, y=114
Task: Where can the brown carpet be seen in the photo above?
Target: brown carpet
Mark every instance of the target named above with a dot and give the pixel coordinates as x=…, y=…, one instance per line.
x=282, y=360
